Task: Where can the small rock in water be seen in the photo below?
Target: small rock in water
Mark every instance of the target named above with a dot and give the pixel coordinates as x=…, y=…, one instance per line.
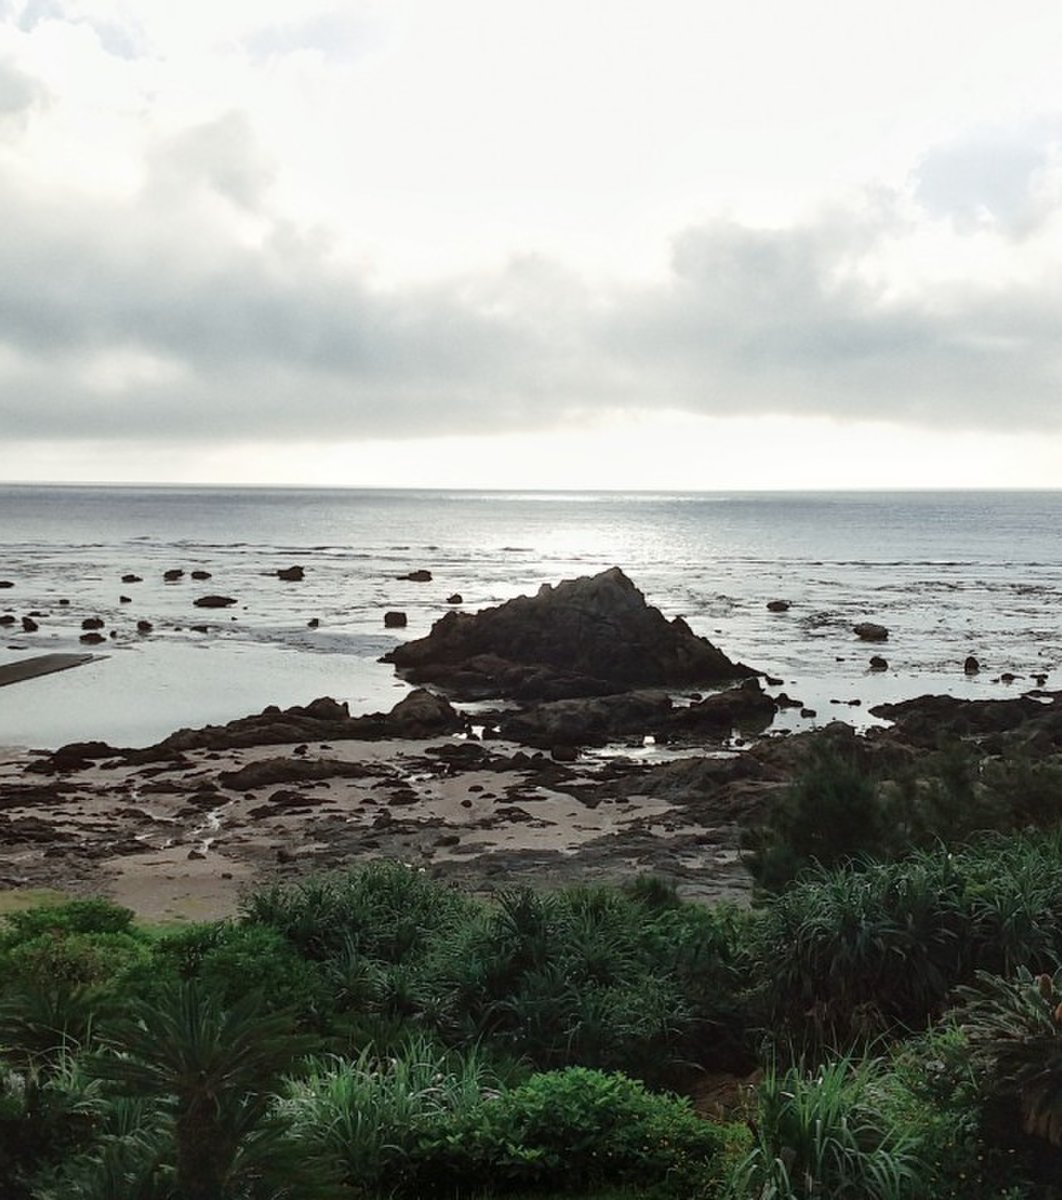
x=421, y=576
x=313, y=623
x=214, y=601
x=395, y=620
x=92, y=639
x=1007, y=677
x=6, y=583
x=29, y=625
x=778, y=606
x=770, y=681
x=869, y=631
x=808, y=712
x=144, y=627
x=92, y=623
x=877, y=663
x=121, y=600
x=64, y=603
x=132, y=579
x=456, y=598
x=196, y=854
x=291, y=574
x=173, y=575
x=971, y=666
x=201, y=575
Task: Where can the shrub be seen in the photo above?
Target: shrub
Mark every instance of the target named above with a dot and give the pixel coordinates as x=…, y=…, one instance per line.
x=95, y=915
x=823, y=1134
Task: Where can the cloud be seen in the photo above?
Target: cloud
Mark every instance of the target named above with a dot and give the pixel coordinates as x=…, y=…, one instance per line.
x=157, y=320
x=19, y=92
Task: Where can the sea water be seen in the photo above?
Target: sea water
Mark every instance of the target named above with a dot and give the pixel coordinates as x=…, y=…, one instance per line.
x=950, y=574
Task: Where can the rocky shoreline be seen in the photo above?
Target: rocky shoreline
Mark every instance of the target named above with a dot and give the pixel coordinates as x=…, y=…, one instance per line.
x=547, y=779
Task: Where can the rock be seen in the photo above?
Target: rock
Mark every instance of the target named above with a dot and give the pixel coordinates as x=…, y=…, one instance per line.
x=584, y=637
x=784, y=700
x=64, y=603
x=194, y=854
x=1007, y=677
x=92, y=623
x=1040, y=680
x=424, y=714
x=778, y=606
x=417, y=576
x=395, y=620
x=746, y=707
x=29, y=625
x=173, y=575
x=971, y=666
x=214, y=602
x=201, y=575
x=877, y=663
x=132, y=579
x=6, y=583
x=74, y=757
x=144, y=627
x=291, y=574
x=92, y=639
x=769, y=680
x=121, y=600
x=808, y=712
x=313, y=623
x=199, y=628
x=9, y=619
x=586, y=721
x=564, y=754
x=456, y=598
x=868, y=631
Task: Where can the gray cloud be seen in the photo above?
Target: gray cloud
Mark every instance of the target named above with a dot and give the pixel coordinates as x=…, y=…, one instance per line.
x=19, y=92
x=148, y=320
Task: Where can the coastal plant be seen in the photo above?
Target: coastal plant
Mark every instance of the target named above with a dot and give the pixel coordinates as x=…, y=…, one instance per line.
x=822, y=1133
x=831, y=812
x=387, y=1119
x=91, y=915
x=214, y=1070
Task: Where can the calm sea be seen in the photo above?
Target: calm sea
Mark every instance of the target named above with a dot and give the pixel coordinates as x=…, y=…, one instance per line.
x=950, y=574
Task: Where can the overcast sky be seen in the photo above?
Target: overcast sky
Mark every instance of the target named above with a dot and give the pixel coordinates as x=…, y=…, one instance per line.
x=609, y=243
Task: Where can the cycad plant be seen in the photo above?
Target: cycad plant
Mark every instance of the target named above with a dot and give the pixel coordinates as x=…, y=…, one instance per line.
x=215, y=1069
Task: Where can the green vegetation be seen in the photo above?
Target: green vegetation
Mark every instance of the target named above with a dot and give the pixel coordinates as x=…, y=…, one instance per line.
x=890, y=1027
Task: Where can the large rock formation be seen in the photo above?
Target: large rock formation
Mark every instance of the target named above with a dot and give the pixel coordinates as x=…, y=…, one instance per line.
x=584, y=637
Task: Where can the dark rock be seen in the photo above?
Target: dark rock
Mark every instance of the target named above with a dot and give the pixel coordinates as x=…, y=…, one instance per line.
x=784, y=700
x=584, y=637
x=64, y=603
x=395, y=620
x=1007, y=677
x=173, y=575
x=121, y=600
x=92, y=639
x=6, y=583
x=1040, y=680
x=214, y=602
x=194, y=854
x=586, y=721
x=808, y=712
x=268, y=771
x=424, y=714
x=746, y=707
x=201, y=575
x=144, y=627
x=971, y=666
x=877, y=663
x=9, y=619
x=29, y=625
x=456, y=598
x=313, y=622
x=564, y=754
x=92, y=623
x=73, y=757
x=417, y=576
x=291, y=574
x=868, y=631
x=778, y=606
x=769, y=680
x=199, y=628
x=132, y=579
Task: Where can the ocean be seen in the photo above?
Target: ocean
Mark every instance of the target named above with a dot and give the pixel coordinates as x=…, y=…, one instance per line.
x=950, y=574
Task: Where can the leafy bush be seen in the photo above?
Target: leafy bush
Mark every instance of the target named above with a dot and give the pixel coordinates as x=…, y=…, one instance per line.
x=67, y=958
x=95, y=915
x=385, y=1119
x=823, y=1134
x=580, y=1129
x=855, y=952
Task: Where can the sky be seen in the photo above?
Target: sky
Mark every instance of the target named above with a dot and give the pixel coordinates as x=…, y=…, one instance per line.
x=684, y=244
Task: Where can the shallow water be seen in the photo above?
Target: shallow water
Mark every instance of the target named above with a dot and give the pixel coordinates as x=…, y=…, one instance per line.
x=950, y=574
